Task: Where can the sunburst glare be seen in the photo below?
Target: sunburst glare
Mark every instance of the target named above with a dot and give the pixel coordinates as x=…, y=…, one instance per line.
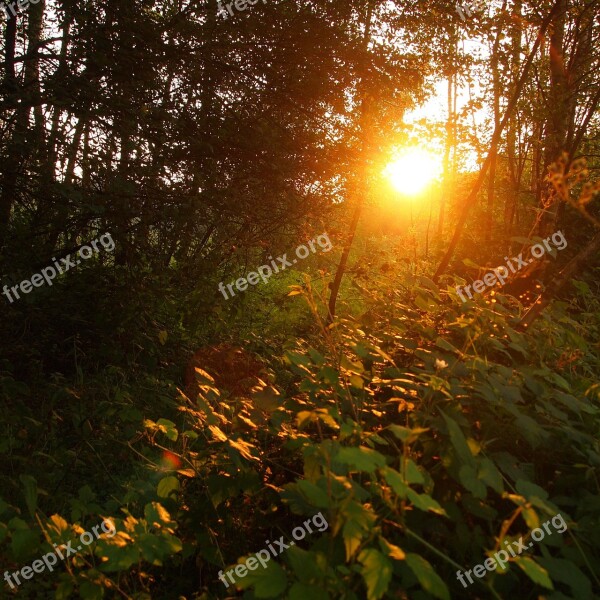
x=412, y=171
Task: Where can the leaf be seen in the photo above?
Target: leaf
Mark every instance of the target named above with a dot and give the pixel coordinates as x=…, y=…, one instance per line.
x=447, y=346
x=301, y=591
x=116, y=554
x=406, y=435
x=468, y=477
x=568, y=572
x=424, y=303
x=535, y=572
x=168, y=428
x=156, y=548
x=361, y=458
x=187, y=472
x=31, y=492
x=304, y=564
x=530, y=490
x=358, y=525
x=427, y=577
x=392, y=551
x=267, y=399
x=244, y=448
x=217, y=433
x=376, y=571
x=162, y=337
x=24, y=543
x=269, y=582
x=167, y=486
x=521, y=240
x=396, y=482
x=314, y=494
x=91, y=591
x=320, y=414
x=155, y=513
x=425, y=502
x=469, y=263
x=203, y=376
x=488, y=473
x=412, y=473
x=459, y=441
x=58, y=526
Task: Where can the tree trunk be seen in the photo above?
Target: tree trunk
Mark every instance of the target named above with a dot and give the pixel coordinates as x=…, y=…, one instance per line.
x=360, y=195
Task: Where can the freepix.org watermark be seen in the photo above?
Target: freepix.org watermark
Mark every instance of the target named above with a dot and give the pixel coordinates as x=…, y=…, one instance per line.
x=499, y=275
x=266, y=272
x=50, y=560
x=263, y=556
x=18, y=5
x=468, y=7
x=239, y=6
x=501, y=558
x=48, y=274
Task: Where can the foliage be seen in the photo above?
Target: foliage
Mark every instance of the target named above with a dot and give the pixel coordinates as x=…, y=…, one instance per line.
x=428, y=435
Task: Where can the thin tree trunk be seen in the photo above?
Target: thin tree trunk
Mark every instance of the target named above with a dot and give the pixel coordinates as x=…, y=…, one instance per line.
x=558, y=117
x=360, y=196
x=496, y=91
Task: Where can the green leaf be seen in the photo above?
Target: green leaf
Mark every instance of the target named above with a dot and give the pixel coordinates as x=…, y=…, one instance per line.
x=424, y=303
x=358, y=525
x=167, y=486
x=295, y=358
x=469, y=263
x=568, y=572
x=361, y=458
x=64, y=590
x=376, y=571
x=268, y=583
x=535, y=572
x=427, y=577
x=304, y=564
x=314, y=494
x=396, y=481
x=406, y=435
x=425, y=502
x=267, y=399
x=459, y=441
x=301, y=591
x=24, y=543
x=468, y=477
x=412, y=473
x=91, y=591
x=31, y=493
x=156, y=548
x=445, y=345
x=116, y=554
x=168, y=428
x=155, y=513
x=488, y=473
x=529, y=490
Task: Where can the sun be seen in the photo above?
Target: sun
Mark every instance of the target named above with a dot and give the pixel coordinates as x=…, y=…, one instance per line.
x=412, y=171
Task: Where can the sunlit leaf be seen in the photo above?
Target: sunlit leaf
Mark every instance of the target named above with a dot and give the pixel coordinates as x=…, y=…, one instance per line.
x=376, y=571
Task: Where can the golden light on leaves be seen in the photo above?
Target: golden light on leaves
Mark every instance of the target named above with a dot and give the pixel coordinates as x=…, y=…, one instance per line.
x=412, y=171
